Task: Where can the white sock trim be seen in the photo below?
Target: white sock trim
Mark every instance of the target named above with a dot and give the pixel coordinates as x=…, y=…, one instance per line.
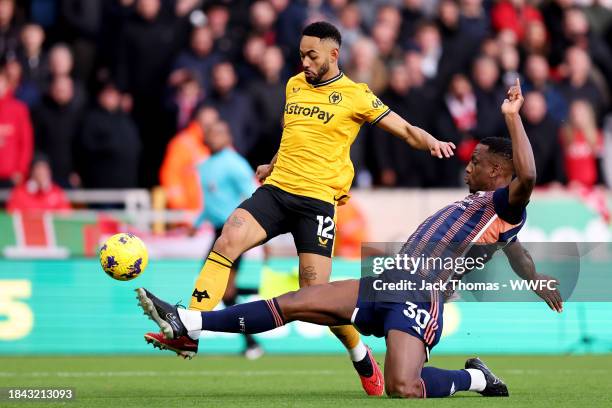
x=358, y=352
x=478, y=379
x=192, y=320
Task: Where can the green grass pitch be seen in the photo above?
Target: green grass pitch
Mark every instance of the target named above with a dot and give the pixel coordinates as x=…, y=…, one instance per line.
x=289, y=381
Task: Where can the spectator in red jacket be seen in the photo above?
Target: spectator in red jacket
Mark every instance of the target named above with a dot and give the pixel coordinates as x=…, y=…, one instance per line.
x=39, y=192
x=582, y=143
x=15, y=136
x=514, y=15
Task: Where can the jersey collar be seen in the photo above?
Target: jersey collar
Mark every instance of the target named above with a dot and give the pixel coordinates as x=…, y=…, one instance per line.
x=329, y=81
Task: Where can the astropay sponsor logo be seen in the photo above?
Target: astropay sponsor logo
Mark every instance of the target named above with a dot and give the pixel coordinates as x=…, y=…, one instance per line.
x=308, y=111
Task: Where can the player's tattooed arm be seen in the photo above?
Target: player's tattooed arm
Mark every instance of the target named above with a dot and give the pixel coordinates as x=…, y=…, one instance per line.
x=415, y=136
x=522, y=154
x=522, y=264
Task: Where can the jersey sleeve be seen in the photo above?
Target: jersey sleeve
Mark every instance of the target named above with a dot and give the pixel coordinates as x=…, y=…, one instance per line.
x=512, y=214
x=368, y=108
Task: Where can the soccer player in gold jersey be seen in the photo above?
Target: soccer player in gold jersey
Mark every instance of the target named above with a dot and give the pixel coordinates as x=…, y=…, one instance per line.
x=310, y=174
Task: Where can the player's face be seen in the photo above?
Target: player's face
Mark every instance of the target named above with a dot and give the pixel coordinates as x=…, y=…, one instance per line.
x=317, y=56
x=478, y=170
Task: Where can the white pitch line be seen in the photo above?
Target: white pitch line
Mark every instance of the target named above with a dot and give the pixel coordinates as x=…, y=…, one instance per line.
x=246, y=373
x=536, y=371
x=78, y=374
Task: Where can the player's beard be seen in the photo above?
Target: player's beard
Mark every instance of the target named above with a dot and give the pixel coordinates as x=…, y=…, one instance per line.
x=322, y=71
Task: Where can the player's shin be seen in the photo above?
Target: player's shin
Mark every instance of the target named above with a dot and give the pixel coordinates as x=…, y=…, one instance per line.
x=351, y=340
x=439, y=383
x=253, y=317
x=211, y=283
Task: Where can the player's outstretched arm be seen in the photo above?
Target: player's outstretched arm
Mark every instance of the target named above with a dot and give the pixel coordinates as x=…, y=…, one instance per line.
x=415, y=136
x=522, y=155
x=522, y=264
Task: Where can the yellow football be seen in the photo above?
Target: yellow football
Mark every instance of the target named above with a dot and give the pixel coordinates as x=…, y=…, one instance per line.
x=124, y=256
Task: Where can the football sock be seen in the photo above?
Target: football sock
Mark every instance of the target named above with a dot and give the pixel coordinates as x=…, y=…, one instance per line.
x=211, y=283
x=192, y=320
x=364, y=366
x=479, y=382
x=350, y=338
x=253, y=317
x=357, y=350
x=443, y=383
x=248, y=338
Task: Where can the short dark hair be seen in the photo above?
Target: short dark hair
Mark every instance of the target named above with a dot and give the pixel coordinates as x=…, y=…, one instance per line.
x=324, y=31
x=501, y=146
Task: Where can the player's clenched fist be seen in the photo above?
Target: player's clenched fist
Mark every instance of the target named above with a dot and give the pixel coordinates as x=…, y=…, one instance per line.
x=512, y=104
x=263, y=172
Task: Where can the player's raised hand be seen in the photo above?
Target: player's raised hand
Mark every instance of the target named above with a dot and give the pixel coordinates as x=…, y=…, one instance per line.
x=441, y=149
x=514, y=101
x=263, y=172
x=552, y=297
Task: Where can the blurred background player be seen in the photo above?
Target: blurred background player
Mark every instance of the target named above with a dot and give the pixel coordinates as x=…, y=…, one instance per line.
x=225, y=179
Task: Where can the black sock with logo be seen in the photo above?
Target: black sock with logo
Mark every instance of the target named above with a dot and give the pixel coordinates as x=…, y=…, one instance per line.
x=364, y=366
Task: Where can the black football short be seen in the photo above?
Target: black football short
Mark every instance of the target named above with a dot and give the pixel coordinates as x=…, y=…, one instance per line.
x=310, y=221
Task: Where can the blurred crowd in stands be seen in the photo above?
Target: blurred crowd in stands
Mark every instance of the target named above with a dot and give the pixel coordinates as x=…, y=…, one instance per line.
x=119, y=93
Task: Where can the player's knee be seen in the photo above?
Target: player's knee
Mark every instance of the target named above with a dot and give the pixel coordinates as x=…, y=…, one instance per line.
x=404, y=388
x=223, y=244
x=229, y=243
